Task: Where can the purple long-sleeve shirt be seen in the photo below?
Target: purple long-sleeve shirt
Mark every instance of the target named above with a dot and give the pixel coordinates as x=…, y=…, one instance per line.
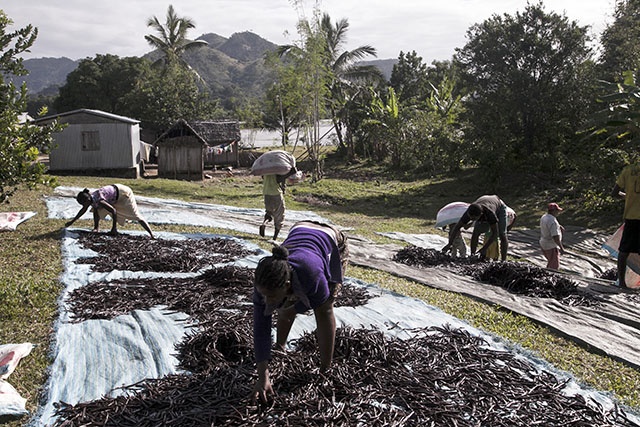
x=108, y=193
x=315, y=261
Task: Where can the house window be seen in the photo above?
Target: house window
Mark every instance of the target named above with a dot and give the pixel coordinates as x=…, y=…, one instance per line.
x=91, y=141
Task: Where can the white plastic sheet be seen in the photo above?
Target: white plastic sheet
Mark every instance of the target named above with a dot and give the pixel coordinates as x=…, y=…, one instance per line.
x=133, y=355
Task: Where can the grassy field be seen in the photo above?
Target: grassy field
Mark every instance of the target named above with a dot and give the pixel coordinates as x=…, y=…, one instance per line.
x=364, y=199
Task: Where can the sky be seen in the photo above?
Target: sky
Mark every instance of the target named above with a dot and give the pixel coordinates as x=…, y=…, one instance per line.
x=78, y=29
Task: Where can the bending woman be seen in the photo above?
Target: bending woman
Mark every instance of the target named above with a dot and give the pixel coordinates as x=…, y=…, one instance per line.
x=116, y=200
x=304, y=273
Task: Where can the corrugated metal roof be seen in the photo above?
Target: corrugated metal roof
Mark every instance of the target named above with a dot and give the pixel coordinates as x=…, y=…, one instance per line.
x=98, y=113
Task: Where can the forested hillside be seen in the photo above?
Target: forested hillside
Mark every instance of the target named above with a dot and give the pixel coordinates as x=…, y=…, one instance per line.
x=46, y=74
x=229, y=66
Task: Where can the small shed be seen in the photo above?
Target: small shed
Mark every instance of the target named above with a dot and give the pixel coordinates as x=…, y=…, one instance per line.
x=186, y=148
x=95, y=142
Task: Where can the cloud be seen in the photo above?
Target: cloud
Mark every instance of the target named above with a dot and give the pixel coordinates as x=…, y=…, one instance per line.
x=78, y=29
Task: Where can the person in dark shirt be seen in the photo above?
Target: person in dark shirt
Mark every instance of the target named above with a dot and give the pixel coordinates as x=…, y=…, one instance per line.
x=490, y=212
x=304, y=273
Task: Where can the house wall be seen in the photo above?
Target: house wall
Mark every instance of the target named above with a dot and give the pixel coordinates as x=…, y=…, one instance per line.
x=181, y=158
x=112, y=146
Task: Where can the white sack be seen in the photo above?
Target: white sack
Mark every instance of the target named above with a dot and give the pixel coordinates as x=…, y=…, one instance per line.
x=11, y=403
x=10, y=220
x=277, y=162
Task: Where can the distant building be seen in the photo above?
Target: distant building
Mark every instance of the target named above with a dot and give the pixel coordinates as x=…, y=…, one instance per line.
x=186, y=148
x=96, y=142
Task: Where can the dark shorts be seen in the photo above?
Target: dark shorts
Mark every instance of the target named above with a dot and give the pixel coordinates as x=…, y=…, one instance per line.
x=630, y=241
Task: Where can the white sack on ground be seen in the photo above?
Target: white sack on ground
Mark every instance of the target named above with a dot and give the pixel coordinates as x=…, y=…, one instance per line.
x=11, y=403
x=9, y=221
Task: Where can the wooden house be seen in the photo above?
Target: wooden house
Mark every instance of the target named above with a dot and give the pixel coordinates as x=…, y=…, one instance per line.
x=187, y=148
x=95, y=142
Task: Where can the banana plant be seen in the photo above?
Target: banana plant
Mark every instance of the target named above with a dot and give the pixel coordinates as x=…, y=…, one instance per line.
x=619, y=121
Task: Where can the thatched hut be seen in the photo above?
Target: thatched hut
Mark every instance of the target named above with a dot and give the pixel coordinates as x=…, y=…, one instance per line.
x=186, y=148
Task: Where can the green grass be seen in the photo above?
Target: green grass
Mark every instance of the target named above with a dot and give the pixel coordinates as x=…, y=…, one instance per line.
x=364, y=198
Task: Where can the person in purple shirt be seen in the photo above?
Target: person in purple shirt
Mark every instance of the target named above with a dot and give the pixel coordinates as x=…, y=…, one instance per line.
x=116, y=200
x=304, y=273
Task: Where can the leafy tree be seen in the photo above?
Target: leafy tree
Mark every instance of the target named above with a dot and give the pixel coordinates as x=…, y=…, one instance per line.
x=308, y=59
x=35, y=103
x=310, y=62
x=322, y=40
x=20, y=144
x=284, y=97
x=527, y=91
x=173, y=94
x=163, y=97
x=409, y=78
x=420, y=131
x=101, y=83
x=611, y=136
x=440, y=72
x=440, y=134
x=620, y=48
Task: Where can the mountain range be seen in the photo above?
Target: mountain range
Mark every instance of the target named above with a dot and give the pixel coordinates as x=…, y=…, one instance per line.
x=230, y=66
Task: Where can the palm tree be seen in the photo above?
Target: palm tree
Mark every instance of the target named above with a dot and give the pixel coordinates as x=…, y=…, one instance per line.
x=347, y=76
x=172, y=40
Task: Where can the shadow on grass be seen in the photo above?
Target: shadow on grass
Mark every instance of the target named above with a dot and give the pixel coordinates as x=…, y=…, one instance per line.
x=420, y=199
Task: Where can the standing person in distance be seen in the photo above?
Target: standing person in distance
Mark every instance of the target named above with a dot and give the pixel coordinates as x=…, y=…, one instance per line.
x=487, y=210
x=627, y=186
x=304, y=273
x=116, y=200
x=551, y=236
x=273, y=189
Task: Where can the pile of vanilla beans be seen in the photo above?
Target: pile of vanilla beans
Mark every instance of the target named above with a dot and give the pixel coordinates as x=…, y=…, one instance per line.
x=438, y=377
x=520, y=278
x=140, y=253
